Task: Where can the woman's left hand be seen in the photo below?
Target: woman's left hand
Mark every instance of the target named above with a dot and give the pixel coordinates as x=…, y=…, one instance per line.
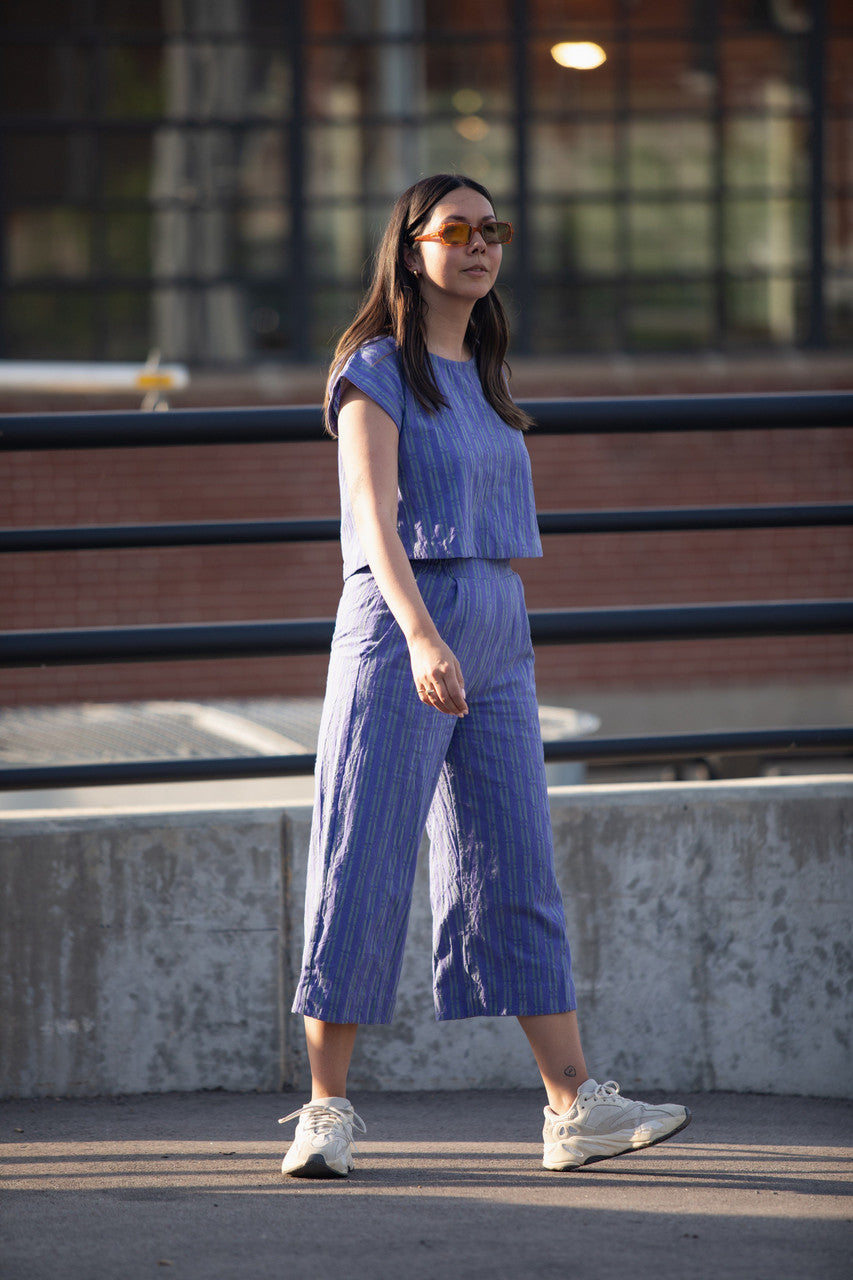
x=438, y=676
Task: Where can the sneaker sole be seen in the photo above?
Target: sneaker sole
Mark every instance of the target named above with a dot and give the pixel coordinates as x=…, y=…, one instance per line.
x=644, y=1146
x=315, y=1167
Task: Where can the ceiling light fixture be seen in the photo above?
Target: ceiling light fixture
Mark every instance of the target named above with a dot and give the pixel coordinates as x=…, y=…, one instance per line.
x=580, y=55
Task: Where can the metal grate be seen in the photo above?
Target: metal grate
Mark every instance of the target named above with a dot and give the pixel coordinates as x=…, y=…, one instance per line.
x=104, y=732
x=101, y=732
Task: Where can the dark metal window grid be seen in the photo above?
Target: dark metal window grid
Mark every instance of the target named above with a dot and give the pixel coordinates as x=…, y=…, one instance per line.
x=300, y=281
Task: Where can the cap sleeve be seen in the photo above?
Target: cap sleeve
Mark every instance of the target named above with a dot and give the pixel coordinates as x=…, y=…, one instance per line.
x=375, y=370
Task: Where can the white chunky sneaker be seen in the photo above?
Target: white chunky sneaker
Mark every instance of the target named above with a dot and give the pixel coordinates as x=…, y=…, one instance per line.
x=601, y=1123
x=323, y=1143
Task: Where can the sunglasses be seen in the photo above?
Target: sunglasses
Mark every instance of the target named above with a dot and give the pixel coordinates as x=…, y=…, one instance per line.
x=455, y=233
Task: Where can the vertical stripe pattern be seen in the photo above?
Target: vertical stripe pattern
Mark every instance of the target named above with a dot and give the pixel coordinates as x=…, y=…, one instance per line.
x=387, y=765
x=464, y=476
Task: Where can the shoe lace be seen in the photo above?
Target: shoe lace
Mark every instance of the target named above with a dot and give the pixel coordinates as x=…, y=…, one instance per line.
x=322, y=1118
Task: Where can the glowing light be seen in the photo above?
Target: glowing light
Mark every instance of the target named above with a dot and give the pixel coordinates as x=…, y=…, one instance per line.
x=580, y=55
x=474, y=128
x=467, y=101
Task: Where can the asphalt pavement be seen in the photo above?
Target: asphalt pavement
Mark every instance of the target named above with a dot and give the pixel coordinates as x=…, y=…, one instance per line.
x=446, y=1185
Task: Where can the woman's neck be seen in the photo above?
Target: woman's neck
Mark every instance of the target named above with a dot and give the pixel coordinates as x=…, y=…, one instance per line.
x=455, y=353
x=445, y=333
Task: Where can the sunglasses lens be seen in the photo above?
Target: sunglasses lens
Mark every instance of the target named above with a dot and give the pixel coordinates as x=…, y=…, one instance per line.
x=456, y=232
x=497, y=233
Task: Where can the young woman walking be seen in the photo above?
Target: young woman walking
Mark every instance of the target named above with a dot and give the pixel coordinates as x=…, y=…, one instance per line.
x=430, y=716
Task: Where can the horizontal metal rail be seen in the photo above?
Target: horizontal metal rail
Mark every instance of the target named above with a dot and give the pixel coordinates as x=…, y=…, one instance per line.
x=184, y=534
x=122, y=429
x=128, y=429
x=832, y=740
x=233, y=532
x=184, y=641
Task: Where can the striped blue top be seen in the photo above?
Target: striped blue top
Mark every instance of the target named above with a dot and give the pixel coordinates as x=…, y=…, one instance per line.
x=465, y=485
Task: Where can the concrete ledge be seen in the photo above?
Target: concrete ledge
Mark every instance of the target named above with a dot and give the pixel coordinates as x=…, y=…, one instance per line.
x=140, y=952
x=710, y=927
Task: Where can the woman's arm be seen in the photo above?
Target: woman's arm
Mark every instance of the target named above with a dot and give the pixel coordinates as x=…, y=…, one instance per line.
x=367, y=439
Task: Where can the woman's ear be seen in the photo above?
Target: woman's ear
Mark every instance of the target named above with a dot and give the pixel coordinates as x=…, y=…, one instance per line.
x=412, y=259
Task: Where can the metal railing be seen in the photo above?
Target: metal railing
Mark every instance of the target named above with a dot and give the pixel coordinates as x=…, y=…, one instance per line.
x=121, y=429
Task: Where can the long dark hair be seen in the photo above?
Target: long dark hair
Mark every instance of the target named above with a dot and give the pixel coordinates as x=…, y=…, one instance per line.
x=393, y=308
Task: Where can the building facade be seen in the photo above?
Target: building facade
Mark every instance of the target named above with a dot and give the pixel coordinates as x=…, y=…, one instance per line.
x=207, y=177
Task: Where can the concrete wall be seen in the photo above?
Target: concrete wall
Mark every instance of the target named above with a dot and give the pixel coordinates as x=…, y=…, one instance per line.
x=710, y=926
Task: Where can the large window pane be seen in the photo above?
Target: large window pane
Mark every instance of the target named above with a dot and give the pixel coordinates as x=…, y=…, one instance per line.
x=270, y=319
x=263, y=244
x=46, y=79
x=573, y=158
x=581, y=20
x=669, y=75
x=128, y=329
x=673, y=158
x=331, y=312
x=670, y=235
x=764, y=72
x=762, y=312
x=259, y=158
x=469, y=79
x=128, y=243
x=839, y=309
x=134, y=81
x=340, y=240
x=670, y=316
x=576, y=317
x=678, y=15
x=839, y=153
x=486, y=157
x=840, y=72
x=49, y=167
x=475, y=16
x=50, y=325
x=766, y=151
x=130, y=15
x=335, y=158
x=579, y=237
x=339, y=80
x=34, y=14
x=839, y=233
x=127, y=169
x=770, y=234
x=49, y=242
x=327, y=18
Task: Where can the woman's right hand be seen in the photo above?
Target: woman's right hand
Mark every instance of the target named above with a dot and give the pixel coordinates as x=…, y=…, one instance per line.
x=438, y=676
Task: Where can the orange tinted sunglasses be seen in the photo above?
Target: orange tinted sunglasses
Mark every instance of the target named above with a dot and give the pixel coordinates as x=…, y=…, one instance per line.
x=456, y=232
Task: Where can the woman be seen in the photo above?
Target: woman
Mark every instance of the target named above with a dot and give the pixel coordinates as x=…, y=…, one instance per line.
x=430, y=715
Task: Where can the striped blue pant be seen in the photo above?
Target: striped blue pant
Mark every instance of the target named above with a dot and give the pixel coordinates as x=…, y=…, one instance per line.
x=387, y=765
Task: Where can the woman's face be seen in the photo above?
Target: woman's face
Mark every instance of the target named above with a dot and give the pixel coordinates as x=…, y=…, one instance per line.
x=464, y=272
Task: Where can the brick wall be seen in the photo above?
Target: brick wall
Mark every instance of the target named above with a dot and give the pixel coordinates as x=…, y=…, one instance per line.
x=80, y=589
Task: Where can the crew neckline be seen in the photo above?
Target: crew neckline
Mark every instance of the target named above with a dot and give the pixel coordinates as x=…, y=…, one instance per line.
x=448, y=360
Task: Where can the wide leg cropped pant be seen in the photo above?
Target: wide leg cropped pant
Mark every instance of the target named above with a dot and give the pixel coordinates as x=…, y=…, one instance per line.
x=388, y=765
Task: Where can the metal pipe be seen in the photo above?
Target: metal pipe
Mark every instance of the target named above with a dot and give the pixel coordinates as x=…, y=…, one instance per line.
x=233, y=532
x=829, y=740
x=93, y=645
x=117, y=429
